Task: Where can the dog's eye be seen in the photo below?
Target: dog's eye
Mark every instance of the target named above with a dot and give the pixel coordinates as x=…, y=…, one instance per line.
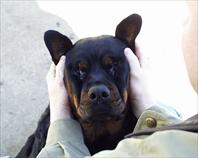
x=110, y=65
x=108, y=62
x=82, y=67
x=82, y=70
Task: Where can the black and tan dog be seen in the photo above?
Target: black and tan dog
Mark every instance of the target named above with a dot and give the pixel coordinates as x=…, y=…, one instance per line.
x=96, y=79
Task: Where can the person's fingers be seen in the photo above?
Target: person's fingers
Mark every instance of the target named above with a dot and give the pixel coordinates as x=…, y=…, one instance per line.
x=51, y=73
x=133, y=61
x=60, y=68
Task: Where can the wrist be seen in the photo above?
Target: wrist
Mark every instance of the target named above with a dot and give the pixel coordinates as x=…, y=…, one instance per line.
x=59, y=112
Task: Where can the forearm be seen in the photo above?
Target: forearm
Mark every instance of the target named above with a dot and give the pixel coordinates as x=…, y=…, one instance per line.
x=64, y=139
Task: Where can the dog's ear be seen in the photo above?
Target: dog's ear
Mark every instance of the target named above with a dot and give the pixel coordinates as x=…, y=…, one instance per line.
x=128, y=29
x=57, y=44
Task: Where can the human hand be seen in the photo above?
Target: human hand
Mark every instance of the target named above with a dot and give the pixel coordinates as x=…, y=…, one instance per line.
x=59, y=104
x=139, y=91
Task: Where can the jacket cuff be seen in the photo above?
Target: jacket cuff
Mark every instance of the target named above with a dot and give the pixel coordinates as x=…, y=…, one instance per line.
x=157, y=116
x=64, y=130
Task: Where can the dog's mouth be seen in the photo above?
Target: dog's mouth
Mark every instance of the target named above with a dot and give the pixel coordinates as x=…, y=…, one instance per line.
x=102, y=113
x=103, y=117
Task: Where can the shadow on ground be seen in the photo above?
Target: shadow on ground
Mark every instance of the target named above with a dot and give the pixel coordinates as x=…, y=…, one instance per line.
x=24, y=64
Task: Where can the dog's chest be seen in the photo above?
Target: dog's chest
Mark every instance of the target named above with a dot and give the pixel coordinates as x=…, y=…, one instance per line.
x=106, y=135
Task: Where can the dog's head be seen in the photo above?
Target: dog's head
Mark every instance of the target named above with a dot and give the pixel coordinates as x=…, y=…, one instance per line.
x=97, y=72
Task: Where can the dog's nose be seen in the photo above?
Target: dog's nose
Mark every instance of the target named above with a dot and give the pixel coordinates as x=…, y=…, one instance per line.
x=99, y=92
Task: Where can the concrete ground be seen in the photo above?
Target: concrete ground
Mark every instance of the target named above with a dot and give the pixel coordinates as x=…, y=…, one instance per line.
x=24, y=64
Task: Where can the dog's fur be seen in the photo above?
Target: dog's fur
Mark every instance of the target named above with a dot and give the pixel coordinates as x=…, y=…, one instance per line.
x=96, y=79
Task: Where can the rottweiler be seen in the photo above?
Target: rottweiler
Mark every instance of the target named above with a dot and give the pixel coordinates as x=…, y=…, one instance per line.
x=97, y=82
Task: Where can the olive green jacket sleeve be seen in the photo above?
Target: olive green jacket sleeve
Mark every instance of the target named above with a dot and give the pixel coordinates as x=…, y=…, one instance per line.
x=65, y=139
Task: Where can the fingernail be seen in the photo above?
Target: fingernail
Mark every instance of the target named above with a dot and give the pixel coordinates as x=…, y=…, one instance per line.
x=127, y=51
x=52, y=64
x=63, y=57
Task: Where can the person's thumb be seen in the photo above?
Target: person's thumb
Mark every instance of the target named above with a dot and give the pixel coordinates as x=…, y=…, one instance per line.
x=133, y=61
x=60, y=68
